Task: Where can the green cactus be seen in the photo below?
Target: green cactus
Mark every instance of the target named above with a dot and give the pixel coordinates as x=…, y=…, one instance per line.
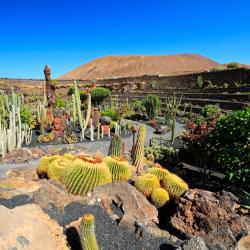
x=138, y=153
x=147, y=183
x=159, y=197
x=55, y=169
x=174, y=185
x=85, y=173
x=69, y=156
x=150, y=157
x=88, y=238
x=116, y=146
x=119, y=168
x=41, y=117
x=44, y=163
x=161, y=173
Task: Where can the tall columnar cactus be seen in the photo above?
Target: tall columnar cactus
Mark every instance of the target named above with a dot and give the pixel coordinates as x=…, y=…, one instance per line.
x=172, y=106
x=43, y=165
x=174, y=185
x=85, y=173
x=41, y=117
x=147, y=183
x=88, y=238
x=74, y=109
x=159, y=197
x=161, y=173
x=138, y=153
x=87, y=120
x=116, y=146
x=27, y=131
x=55, y=169
x=119, y=168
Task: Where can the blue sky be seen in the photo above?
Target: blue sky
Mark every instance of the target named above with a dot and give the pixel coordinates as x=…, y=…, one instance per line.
x=66, y=34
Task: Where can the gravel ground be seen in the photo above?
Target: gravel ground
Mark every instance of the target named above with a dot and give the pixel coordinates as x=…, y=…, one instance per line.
x=91, y=148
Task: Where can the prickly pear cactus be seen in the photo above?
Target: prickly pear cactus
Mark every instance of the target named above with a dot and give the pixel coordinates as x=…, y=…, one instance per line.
x=85, y=173
x=147, y=183
x=119, y=168
x=88, y=238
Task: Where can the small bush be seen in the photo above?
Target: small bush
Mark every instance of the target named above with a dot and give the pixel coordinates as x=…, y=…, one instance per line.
x=60, y=102
x=27, y=116
x=228, y=145
x=210, y=112
x=152, y=104
x=98, y=95
x=215, y=69
x=233, y=65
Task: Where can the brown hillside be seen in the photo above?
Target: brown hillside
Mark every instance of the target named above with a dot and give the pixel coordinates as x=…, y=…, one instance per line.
x=138, y=65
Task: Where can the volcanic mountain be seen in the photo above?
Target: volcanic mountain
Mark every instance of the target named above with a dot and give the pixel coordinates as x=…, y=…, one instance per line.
x=138, y=65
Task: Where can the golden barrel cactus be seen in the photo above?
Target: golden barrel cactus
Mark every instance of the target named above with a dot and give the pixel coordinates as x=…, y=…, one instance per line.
x=159, y=172
x=57, y=167
x=159, y=197
x=44, y=163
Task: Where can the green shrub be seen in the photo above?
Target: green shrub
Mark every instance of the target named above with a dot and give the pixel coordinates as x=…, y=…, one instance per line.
x=215, y=69
x=199, y=82
x=71, y=90
x=210, y=111
x=138, y=106
x=233, y=65
x=98, y=95
x=152, y=104
x=60, y=102
x=110, y=112
x=228, y=145
x=27, y=116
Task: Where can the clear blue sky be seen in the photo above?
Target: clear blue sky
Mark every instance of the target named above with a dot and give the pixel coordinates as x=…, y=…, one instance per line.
x=66, y=34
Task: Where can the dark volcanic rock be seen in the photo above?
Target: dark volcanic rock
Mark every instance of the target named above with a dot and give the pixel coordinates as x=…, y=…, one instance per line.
x=195, y=243
x=215, y=217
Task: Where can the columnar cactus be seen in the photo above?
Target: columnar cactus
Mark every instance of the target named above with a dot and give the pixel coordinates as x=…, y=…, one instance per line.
x=159, y=197
x=161, y=173
x=147, y=183
x=116, y=146
x=41, y=117
x=138, y=153
x=55, y=169
x=174, y=185
x=88, y=238
x=119, y=168
x=85, y=173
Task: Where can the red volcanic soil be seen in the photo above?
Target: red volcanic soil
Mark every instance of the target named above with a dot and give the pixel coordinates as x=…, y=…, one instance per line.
x=138, y=65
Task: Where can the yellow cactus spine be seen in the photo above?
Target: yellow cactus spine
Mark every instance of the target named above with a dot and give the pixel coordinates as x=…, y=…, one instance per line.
x=160, y=172
x=174, y=185
x=116, y=146
x=119, y=168
x=44, y=163
x=159, y=197
x=56, y=168
x=88, y=237
x=138, y=154
x=85, y=173
x=147, y=183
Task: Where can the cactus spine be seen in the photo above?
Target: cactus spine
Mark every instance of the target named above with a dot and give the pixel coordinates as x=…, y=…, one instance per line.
x=116, y=146
x=55, y=169
x=44, y=163
x=161, y=173
x=85, y=173
x=41, y=117
x=138, y=153
x=147, y=183
x=159, y=197
x=174, y=185
x=119, y=168
x=88, y=238
x=74, y=116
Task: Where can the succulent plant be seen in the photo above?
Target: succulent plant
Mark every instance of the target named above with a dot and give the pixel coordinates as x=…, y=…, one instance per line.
x=159, y=197
x=161, y=173
x=119, y=168
x=55, y=169
x=69, y=156
x=174, y=185
x=44, y=163
x=151, y=157
x=116, y=146
x=85, y=173
x=138, y=152
x=88, y=238
x=147, y=183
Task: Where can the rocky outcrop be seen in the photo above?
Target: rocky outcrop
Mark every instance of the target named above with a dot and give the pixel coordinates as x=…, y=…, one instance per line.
x=216, y=217
x=28, y=227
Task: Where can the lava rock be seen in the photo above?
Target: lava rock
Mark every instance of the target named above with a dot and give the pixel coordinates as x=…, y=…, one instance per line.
x=195, y=243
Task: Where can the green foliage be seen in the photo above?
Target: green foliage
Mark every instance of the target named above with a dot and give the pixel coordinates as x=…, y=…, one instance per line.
x=152, y=104
x=233, y=65
x=138, y=106
x=199, y=83
x=138, y=152
x=60, y=102
x=246, y=199
x=88, y=238
x=116, y=146
x=225, y=85
x=159, y=197
x=147, y=183
x=83, y=95
x=27, y=116
x=210, y=112
x=71, y=90
x=99, y=94
x=110, y=112
x=85, y=173
x=174, y=185
x=228, y=145
x=119, y=168
x=215, y=69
